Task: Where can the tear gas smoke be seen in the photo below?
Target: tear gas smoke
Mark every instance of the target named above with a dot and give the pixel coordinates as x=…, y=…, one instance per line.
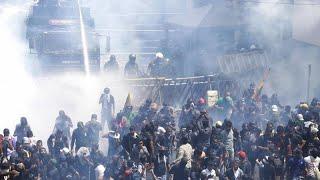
x=40, y=98
x=290, y=58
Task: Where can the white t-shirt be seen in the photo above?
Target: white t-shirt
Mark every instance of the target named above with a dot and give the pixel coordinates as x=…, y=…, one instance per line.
x=106, y=101
x=99, y=171
x=312, y=163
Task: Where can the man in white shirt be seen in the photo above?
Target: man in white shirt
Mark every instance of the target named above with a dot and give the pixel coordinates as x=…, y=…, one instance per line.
x=184, y=156
x=107, y=107
x=209, y=173
x=312, y=164
x=228, y=138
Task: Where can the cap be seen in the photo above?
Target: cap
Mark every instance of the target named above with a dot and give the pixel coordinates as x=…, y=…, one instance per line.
x=161, y=130
x=304, y=106
x=218, y=124
x=300, y=117
x=242, y=154
x=65, y=150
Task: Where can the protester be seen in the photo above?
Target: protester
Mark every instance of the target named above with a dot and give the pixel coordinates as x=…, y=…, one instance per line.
x=184, y=154
x=152, y=142
x=63, y=124
x=79, y=137
x=234, y=172
x=312, y=162
x=107, y=108
x=21, y=129
x=93, y=129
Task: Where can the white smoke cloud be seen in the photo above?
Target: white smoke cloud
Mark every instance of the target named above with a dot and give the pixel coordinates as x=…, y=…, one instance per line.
x=290, y=60
x=39, y=98
x=17, y=87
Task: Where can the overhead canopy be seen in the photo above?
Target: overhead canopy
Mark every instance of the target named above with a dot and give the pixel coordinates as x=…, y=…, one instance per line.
x=210, y=15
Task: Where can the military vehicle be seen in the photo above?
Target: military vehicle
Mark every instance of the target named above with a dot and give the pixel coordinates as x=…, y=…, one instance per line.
x=54, y=35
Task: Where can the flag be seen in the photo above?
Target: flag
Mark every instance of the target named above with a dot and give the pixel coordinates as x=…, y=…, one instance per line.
x=128, y=101
x=260, y=86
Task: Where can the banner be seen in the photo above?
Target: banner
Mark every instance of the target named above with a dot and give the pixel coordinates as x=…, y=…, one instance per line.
x=212, y=97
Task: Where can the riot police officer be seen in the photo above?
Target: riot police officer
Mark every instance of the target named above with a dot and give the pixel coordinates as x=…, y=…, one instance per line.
x=156, y=67
x=131, y=69
x=112, y=66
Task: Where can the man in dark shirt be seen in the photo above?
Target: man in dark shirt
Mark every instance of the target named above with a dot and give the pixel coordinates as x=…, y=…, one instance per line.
x=93, y=128
x=296, y=165
x=56, y=142
x=79, y=137
x=112, y=66
x=179, y=170
x=245, y=165
x=21, y=129
x=96, y=155
x=6, y=143
x=131, y=69
x=265, y=142
x=129, y=140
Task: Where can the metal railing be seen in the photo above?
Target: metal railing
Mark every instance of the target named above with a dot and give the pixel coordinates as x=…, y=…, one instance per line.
x=243, y=62
x=176, y=91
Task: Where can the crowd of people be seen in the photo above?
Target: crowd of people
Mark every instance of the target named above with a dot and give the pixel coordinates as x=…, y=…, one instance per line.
x=244, y=138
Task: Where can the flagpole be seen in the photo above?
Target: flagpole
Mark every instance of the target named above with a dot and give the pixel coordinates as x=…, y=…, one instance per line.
x=309, y=79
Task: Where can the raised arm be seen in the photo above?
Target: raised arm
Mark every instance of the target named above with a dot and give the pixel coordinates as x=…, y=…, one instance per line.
x=73, y=139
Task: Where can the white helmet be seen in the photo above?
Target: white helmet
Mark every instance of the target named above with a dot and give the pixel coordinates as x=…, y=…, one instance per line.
x=274, y=108
x=65, y=150
x=219, y=124
x=300, y=117
x=161, y=130
x=159, y=55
